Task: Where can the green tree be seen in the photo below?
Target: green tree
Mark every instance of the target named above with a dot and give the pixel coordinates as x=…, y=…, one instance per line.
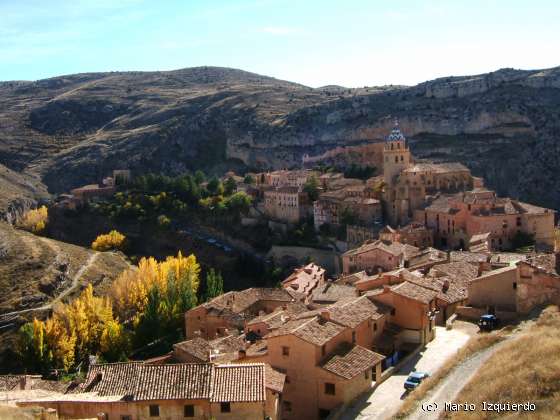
x=214, y=284
x=215, y=187
x=311, y=187
x=249, y=180
x=239, y=202
x=230, y=186
x=199, y=177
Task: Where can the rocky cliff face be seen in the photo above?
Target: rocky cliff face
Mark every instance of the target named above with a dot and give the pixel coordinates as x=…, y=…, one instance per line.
x=71, y=130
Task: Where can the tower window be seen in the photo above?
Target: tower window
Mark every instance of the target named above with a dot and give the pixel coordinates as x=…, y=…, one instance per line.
x=396, y=159
x=402, y=158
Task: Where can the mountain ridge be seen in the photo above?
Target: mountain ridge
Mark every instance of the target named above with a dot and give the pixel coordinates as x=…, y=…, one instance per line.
x=73, y=129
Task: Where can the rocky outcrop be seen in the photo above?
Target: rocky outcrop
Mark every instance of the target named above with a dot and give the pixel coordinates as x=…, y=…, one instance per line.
x=75, y=129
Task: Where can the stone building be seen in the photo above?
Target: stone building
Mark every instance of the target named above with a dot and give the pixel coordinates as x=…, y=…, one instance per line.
x=326, y=357
x=407, y=184
x=305, y=280
x=377, y=256
x=286, y=204
x=136, y=391
x=455, y=219
x=228, y=312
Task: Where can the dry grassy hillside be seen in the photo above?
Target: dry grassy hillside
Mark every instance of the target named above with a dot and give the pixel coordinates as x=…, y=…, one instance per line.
x=524, y=370
x=37, y=272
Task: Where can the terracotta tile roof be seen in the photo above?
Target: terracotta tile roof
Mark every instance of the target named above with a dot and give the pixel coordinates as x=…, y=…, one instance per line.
x=470, y=257
x=332, y=292
x=352, y=312
x=258, y=348
x=544, y=262
x=274, y=380
x=313, y=330
x=506, y=257
x=448, y=289
x=237, y=302
x=393, y=248
x=112, y=379
x=197, y=347
x=352, y=361
x=439, y=168
x=457, y=269
x=490, y=274
x=413, y=291
x=169, y=382
x=140, y=382
x=239, y=383
x=353, y=278
x=305, y=279
x=9, y=382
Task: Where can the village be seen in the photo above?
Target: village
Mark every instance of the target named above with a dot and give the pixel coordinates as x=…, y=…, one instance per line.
x=410, y=252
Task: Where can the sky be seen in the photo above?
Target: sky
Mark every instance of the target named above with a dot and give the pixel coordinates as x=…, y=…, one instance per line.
x=351, y=43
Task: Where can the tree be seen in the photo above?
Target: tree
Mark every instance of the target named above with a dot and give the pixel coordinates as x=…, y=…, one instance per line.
x=249, y=180
x=311, y=187
x=199, y=177
x=163, y=221
x=522, y=240
x=215, y=187
x=35, y=220
x=214, y=285
x=111, y=240
x=239, y=202
x=230, y=186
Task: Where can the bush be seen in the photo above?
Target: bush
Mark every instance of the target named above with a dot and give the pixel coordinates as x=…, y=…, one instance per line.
x=35, y=220
x=111, y=240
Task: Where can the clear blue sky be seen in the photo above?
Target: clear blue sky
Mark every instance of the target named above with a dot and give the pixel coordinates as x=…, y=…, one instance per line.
x=351, y=43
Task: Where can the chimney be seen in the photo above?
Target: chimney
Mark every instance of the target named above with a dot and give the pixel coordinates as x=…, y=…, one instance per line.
x=325, y=315
x=445, y=286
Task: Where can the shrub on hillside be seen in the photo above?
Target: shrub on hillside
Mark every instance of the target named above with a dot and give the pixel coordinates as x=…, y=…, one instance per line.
x=35, y=220
x=111, y=240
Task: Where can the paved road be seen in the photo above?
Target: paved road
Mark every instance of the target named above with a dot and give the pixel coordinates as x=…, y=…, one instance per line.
x=448, y=389
x=386, y=399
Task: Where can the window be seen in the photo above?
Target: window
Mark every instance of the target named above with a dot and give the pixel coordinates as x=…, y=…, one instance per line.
x=126, y=417
x=225, y=407
x=393, y=311
x=287, y=405
x=154, y=410
x=323, y=350
x=324, y=413
x=514, y=285
x=375, y=326
x=353, y=337
x=188, y=410
x=329, y=388
x=285, y=351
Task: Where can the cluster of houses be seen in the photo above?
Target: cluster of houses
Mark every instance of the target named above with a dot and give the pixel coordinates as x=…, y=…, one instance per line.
x=309, y=348
x=441, y=203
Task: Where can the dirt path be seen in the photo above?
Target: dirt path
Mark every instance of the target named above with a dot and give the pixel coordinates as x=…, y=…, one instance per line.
x=447, y=389
x=75, y=283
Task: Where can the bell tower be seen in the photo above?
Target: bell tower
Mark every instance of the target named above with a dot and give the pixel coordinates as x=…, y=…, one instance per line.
x=396, y=155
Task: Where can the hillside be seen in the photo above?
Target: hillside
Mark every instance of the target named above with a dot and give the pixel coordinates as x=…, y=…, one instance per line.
x=72, y=130
x=37, y=272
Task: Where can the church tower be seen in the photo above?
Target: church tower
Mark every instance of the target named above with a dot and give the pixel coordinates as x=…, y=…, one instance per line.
x=396, y=155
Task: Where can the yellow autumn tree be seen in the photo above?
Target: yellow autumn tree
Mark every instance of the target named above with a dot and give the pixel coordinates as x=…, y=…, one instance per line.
x=72, y=333
x=130, y=290
x=35, y=220
x=111, y=240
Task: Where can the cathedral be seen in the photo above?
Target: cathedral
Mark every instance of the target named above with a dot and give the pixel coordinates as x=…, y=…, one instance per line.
x=409, y=184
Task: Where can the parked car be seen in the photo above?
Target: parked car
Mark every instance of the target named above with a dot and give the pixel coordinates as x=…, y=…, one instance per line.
x=414, y=379
x=488, y=322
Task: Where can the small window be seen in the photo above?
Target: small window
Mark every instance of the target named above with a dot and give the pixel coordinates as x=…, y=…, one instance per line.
x=287, y=405
x=353, y=337
x=225, y=407
x=188, y=410
x=393, y=311
x=329, y=388
x=154, y=410
x=323, y=350
x=375, y=326
x=514, y=285
x=126, y=417
x=285, y=351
